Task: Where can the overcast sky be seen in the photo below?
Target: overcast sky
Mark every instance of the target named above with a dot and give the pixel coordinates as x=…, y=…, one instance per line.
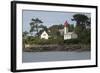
x=48, y=17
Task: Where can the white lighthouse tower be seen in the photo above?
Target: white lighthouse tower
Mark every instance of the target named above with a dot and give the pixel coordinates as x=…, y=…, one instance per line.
x=66, y=30
x=65, y=27
x=68, y=35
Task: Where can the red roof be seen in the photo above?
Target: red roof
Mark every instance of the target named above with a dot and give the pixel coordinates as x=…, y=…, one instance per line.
x=65, y=24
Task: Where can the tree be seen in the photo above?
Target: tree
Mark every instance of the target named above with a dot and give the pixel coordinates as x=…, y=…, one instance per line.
x=85, y=37
x=43, y=28
x=84, y=34
x=55, y=30
x=80, y=19
x=35, y=22
x=88, y=23
x=71, y=28
x=24, y=34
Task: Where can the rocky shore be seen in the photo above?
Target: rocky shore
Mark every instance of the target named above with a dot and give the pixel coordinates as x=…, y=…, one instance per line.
x=56, y=47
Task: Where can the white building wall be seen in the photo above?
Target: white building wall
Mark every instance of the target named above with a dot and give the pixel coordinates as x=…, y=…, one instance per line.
x=74, y=36
x=65, y=30
x=67, y=36
x=44, y=35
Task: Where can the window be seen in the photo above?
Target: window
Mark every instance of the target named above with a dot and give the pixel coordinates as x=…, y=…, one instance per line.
x=44, y=34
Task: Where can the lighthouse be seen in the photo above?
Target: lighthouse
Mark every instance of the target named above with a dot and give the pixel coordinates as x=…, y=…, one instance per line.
x=65, y=27
x=65, y=30
x=67, y=34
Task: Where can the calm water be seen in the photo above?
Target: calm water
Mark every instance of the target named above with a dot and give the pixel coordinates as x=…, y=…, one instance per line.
x=54, y=56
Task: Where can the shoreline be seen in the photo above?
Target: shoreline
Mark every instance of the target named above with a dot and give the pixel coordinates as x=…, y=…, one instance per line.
x=57, y=47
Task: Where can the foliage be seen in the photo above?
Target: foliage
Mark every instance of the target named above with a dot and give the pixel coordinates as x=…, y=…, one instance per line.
x=71, y=28
x=36, y=40
x=24, y=34
x=44, y=28
x=72, y=41
x=84, y=36
x=54, y=30
x=35, y=22
x=78, y=30
x=81, y=20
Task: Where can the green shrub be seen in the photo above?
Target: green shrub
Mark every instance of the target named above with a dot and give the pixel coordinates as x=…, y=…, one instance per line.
x=71, y=41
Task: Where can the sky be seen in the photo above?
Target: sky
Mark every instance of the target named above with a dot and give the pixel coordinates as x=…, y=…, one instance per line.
x=49, y=18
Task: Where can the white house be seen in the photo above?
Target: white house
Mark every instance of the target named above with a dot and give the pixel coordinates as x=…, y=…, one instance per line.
x=44, y=35
x=68, y=35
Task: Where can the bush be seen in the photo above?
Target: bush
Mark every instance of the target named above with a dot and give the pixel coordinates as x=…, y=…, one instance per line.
x=71, y=41
x=51, y=40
